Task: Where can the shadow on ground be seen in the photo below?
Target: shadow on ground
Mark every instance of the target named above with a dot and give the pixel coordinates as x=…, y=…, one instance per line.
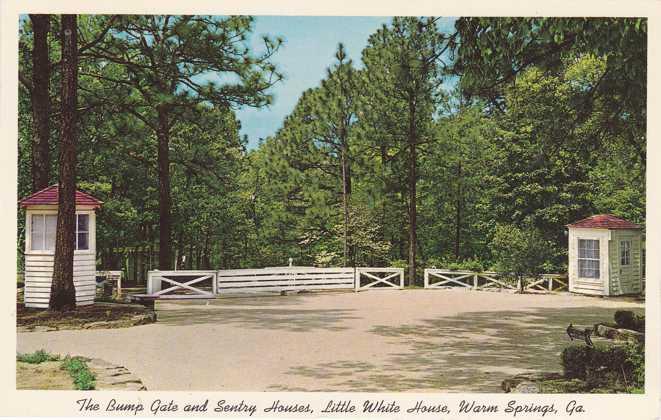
x=267, y=312
x=473, y=352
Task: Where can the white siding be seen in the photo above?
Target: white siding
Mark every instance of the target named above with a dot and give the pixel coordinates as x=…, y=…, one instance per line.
x=588, y=286
x=39, y=269
x=614, y=279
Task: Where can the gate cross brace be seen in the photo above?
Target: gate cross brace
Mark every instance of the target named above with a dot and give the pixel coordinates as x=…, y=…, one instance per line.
x=186, y=285
x=378, y=279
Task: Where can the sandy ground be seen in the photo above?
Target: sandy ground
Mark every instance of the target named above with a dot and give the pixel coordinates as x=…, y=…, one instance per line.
x=46, y=375
x=380, y=340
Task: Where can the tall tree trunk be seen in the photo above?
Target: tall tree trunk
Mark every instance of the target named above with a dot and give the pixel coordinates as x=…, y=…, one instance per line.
x=63, y=292
x=346, y=192
x=459, y=203
x=205, y=254
x=412, y=181
x=40, y=103
x=384, y=198
x=164, y=201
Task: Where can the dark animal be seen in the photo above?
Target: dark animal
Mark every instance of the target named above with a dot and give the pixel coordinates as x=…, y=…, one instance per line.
x=573, y=333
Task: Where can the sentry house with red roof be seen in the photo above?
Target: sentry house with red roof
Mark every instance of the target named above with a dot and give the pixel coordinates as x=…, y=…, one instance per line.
x=605, y=256
x=40, y=225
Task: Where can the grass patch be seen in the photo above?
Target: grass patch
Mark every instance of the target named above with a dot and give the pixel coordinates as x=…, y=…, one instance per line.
x=83, y=378
x=38, y=356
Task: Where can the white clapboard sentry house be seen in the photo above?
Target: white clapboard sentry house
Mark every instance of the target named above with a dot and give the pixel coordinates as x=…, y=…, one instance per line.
x=605, y=256
x=40, y=225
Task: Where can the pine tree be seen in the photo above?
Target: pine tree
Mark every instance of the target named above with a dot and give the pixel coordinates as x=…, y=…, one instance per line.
x=163, y=66
x=405, y=70
x=63, y=292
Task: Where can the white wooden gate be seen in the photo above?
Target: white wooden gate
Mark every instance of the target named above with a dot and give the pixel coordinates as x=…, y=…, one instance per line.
x=180, y=281
x=548, y=283
x=379, y=277
x=440, y=278
x=278, y=279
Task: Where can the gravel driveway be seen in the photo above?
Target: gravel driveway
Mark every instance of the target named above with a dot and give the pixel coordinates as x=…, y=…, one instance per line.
x=380, y=340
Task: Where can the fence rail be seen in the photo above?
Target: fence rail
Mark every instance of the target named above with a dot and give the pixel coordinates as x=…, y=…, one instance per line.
x=379, y=277
x=285, y=278
x=187, y=281
x=441, y=278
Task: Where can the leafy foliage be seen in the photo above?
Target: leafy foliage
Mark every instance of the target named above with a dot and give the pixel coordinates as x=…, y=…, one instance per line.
x=520, y=252
x=83, y=378
x=467, y=150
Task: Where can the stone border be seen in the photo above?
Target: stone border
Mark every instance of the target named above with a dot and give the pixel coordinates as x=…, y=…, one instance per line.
x=110, y=377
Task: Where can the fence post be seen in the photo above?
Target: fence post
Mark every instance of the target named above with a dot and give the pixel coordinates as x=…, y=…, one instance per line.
x=475, y=281
x=550, y=284
x=356, y=279
x=214, y=283
x=150, y=283
x=426, y=285
x=401, y=278
x=518, y=283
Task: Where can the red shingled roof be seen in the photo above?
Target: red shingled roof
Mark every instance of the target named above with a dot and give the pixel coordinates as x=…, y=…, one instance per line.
x=49, y=195
x=604, y=221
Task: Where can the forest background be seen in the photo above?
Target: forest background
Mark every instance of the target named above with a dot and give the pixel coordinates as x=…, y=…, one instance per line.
x=450, y=148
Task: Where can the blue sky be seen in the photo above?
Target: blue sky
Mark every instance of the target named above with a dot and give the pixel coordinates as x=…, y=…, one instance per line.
x=309, y=48
x=310, y=43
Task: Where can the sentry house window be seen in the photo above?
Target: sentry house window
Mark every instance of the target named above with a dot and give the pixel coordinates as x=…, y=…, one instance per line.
x=43, y=227
x=625, y=252
x=588, y=258
x=82, y=231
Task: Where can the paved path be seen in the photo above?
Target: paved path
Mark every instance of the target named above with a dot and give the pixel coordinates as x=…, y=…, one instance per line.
x=413, y=340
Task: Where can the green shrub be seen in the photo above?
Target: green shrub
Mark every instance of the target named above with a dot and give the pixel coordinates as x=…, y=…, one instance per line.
x=83, y=378
x=605, y=366
x=575, y=361
x=629, y=320
x=471, y=264
x=38, y=356
x=635, y=358
x=398, y=263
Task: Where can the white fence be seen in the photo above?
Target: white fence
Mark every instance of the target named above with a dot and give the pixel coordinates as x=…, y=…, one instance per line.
x=186, y=283
x=379, y=277
x=441, y=278
x=277, y=279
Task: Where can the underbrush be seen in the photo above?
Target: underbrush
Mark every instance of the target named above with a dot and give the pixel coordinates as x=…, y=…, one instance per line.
x=38, y=356
x=83, y=378
x=611, y=368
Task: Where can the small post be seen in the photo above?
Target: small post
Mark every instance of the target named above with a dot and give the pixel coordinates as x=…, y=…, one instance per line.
x=119, y=284
x=426, y=279
x=214, y=283
x=150, y=283
x=401, y=278
x=550, y=284
x=475, y=281
x=355, y=287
